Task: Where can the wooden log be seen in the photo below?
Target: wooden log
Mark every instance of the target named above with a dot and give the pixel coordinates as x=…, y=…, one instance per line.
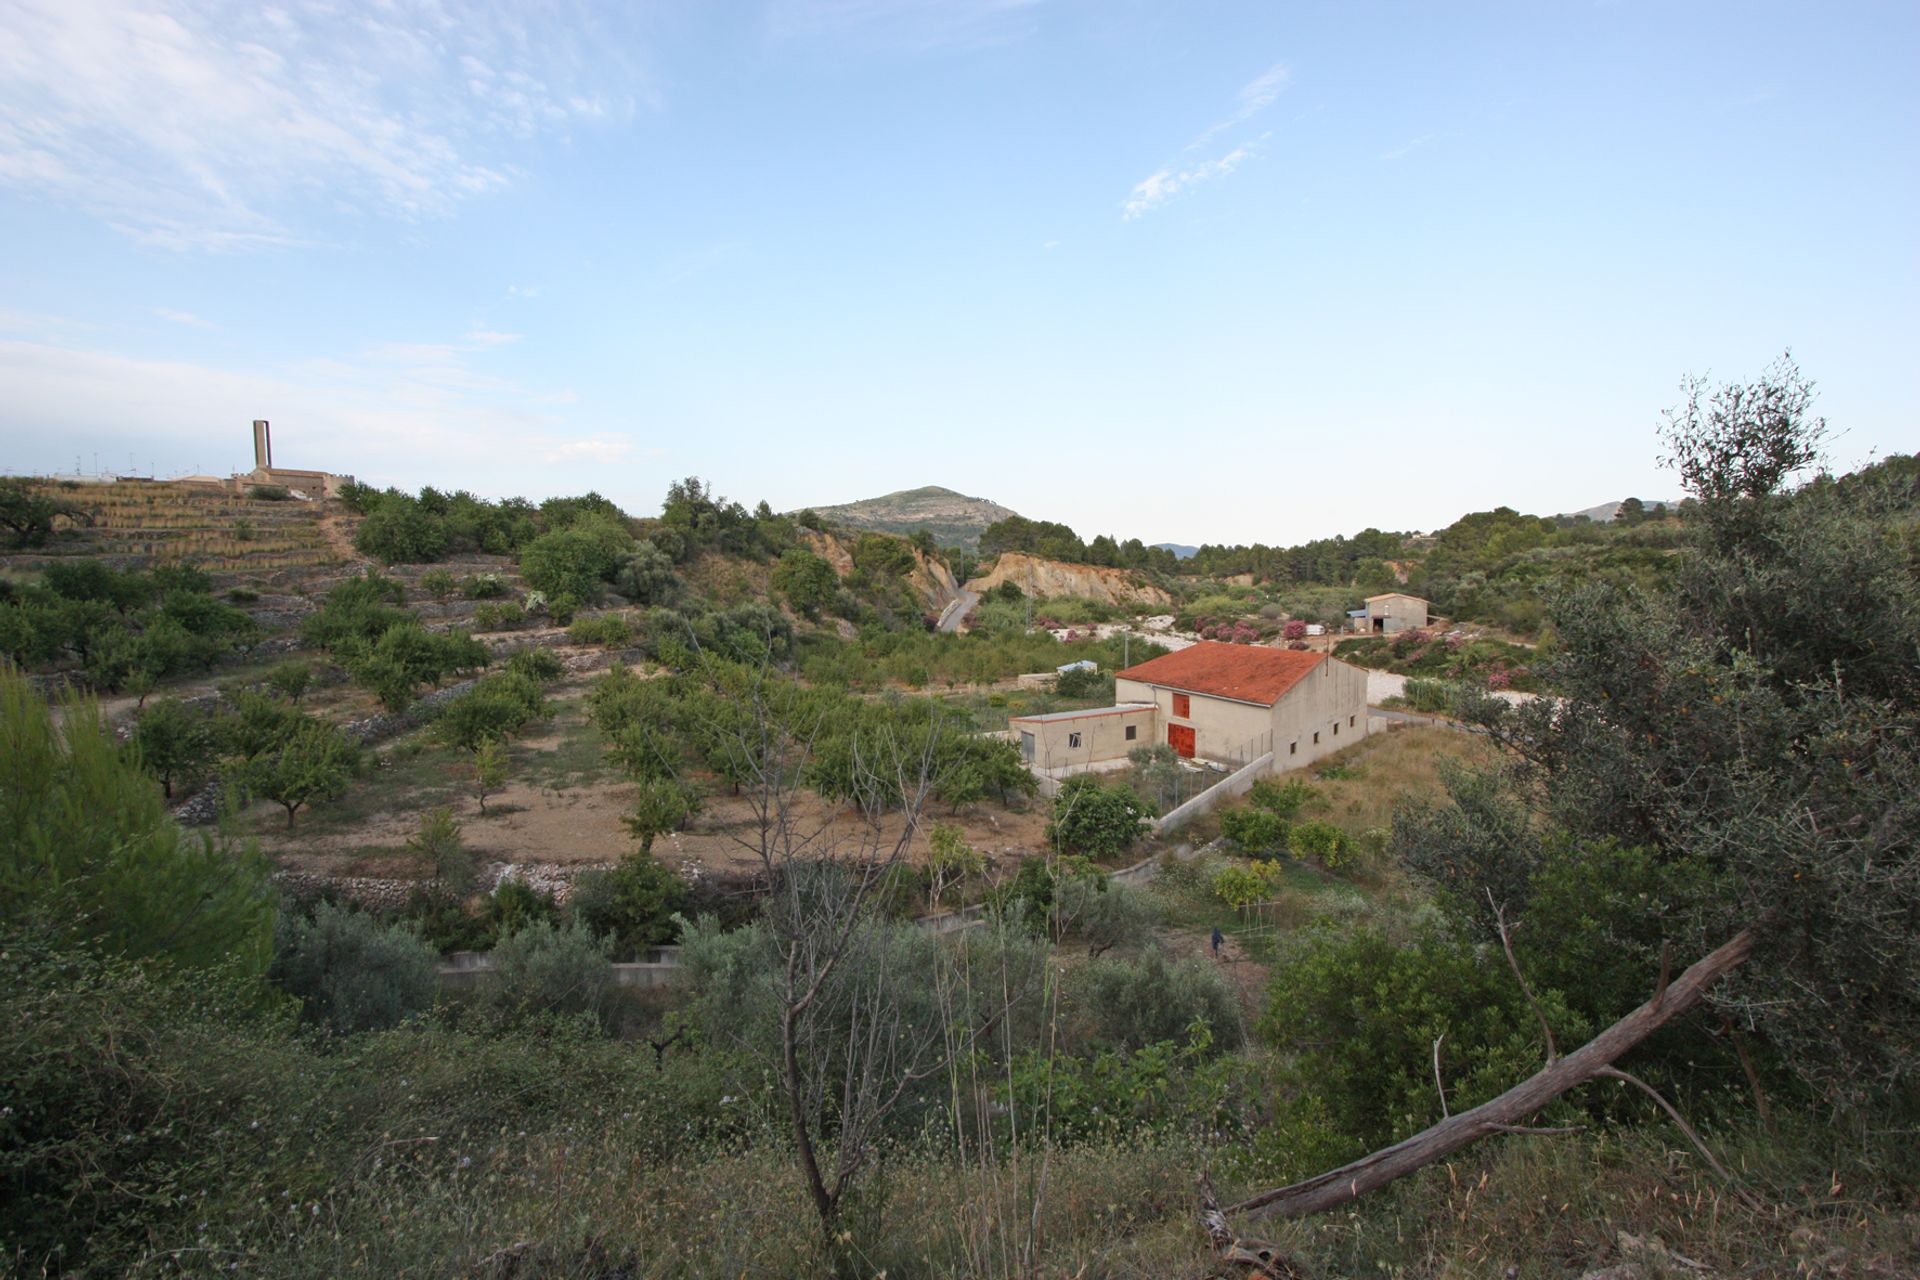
x=1591, y=1061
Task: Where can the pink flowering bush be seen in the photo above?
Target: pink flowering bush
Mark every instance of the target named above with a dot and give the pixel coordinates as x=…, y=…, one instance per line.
x=1294, y=630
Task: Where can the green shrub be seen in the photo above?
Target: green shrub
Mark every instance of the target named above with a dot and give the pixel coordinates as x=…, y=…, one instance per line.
x=439, y=584
x=1321, y=840
x=535, y=664
x=407, y=656
x=173, y=743
x=242, y=595
x=541, y=969
x=1434, y=697
x=351, y=971
x=951, y=861
x=269, y=493
x=355, y=613
x=1096, y=820
x=632, y=904
x=89, y=856
x=290, y=679
x=1103, y=914
x=483, y=586
x=609, y=629
x=496, y=708
x=577, y=560
x=257, y=724
x=401, y=533
x=1362, y=1013
x=1084, y=682
x=439, y=841
x=314, y=761
x=806, y=580
x=646, y=576
x=502, y=616
x=660, y=806
x=1139, y=1000
x=1255, y=832
x=515, y=905
x=1239, y=886
x=1275, y=796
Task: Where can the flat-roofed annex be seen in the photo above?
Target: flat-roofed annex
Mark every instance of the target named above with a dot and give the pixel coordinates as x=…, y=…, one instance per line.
x=1087, y=713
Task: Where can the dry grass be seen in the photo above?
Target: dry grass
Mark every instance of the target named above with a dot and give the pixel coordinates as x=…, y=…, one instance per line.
x=1358, y=789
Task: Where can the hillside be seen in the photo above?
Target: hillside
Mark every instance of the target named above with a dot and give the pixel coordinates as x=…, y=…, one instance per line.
x=952, y=518
x=1606, y=511
x=1042, y=579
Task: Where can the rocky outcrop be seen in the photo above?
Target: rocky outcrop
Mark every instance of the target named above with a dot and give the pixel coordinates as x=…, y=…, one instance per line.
x=930, y=578
x=1042, y=578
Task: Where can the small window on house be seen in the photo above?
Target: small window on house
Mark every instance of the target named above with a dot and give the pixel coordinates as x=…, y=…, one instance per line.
x=1073, y=740
x=1316, y=739
x=1293, y=748
x=1336, y=728
x=1182, y=705
x=1349, y=722
x=1133, y=731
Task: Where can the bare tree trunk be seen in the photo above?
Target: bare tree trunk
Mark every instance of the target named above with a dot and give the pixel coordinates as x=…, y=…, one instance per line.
x=824, y=1204
x=1593, y=1060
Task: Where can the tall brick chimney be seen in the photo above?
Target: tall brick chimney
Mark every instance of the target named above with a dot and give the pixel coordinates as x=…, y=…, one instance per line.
x=262, y=444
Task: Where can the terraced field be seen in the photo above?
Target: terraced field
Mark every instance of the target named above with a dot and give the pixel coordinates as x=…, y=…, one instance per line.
x=144, y=523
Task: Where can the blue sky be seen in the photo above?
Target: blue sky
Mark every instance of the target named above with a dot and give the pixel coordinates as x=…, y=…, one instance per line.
x=1193, y=272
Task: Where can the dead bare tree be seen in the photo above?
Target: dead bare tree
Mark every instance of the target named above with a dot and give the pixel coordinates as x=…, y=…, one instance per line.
x=864, y=1005
x=1504, y=1114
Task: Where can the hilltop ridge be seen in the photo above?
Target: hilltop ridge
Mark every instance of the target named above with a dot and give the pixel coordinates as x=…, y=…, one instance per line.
x=953, y=518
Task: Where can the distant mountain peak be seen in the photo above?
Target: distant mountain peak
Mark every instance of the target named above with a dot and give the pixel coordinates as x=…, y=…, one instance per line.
x=1607, y=511
x=953, y=518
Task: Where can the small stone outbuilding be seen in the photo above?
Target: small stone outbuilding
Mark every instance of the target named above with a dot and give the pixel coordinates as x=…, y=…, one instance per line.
x=1391, y=612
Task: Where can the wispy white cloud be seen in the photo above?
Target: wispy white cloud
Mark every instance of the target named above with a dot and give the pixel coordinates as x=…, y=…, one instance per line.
x=1407, y=148
x=600, y=449
x=1169, y=181
x=1254, y=97
x=225, y=124
x=187, y=318
x=911, y=25
x=1157, y=188
x=481, y=336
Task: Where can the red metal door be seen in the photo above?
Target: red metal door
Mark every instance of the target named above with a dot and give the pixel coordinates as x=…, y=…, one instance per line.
x=1180, y=738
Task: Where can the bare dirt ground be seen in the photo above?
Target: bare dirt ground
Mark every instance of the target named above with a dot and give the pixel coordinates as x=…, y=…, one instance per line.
x=562, y=809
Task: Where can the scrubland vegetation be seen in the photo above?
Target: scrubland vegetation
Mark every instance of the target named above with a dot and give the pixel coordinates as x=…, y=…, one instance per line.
x=209, y=1071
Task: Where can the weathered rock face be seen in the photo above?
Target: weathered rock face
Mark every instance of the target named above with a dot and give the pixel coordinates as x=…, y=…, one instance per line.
x=1039, y=577
x=929, y=577
x=830, y=549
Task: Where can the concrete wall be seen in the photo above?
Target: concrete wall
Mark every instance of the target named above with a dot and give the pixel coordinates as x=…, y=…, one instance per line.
x=1237, y=783
x=469, y=970
x=1323, y=703
x=1102, y=732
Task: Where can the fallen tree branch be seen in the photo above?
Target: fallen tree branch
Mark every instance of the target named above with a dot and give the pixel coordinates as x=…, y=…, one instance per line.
x=1506, y=945
x=1673, y=1112
x=1504, y=1113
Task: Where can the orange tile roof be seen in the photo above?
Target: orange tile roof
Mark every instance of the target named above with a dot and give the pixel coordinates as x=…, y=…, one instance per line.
x=1243, y=672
